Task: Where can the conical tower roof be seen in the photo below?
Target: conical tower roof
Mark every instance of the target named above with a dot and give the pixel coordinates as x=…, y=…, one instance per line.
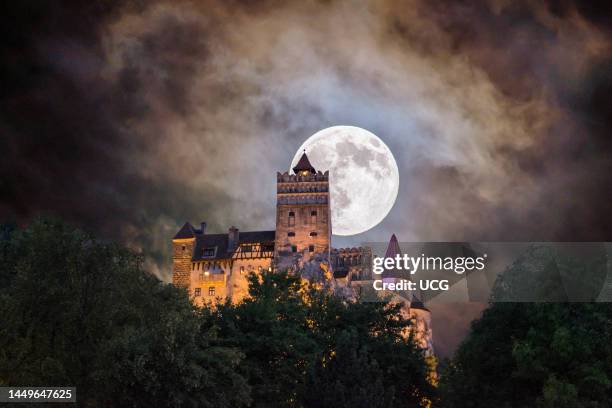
x=304, y=165
x=393, y=248
x=186, y=231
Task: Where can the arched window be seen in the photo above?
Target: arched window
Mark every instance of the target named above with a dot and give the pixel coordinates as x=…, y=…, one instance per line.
x=313, y=217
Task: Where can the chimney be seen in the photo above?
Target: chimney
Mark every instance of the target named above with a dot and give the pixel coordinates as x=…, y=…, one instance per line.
x=202, y=227
x=232, y=239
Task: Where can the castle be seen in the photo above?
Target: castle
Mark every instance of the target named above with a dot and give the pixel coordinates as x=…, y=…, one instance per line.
x=215, y=266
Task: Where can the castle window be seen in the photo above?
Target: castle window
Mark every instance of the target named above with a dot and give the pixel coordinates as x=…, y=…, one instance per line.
x=242, y=270
x=201, y=276
x=183, y=247
x=313, y=234
x=291, y=218
x=197, y=292
x=293, y=248
x=310, y=248
x=291, y=234
x=211, y=291
x=208, y=252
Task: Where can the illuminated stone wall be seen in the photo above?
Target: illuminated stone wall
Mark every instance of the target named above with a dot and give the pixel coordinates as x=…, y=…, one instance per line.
x=182, y=251
x=303, y=218
x=211, y=278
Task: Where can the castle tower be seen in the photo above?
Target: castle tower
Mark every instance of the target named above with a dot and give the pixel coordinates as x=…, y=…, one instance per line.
x=415, y=309
x=303, y=217
x=183, y=245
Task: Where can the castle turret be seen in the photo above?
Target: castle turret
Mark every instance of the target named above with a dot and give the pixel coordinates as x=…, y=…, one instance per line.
x=183, y=245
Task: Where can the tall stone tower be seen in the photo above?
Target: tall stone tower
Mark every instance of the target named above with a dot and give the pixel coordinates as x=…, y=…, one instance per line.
x=303, y=217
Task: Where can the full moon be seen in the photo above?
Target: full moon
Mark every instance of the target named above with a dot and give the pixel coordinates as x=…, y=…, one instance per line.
x=364, y=178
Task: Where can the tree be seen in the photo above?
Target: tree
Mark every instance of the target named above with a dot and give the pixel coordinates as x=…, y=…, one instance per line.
x=367, y=360
x=77, y=311
x=534, y=354
x=80, y=312
x=304, y=346
x=539, y=354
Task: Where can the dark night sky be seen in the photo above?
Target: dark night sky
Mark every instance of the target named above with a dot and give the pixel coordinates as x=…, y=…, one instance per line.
x=130, y=117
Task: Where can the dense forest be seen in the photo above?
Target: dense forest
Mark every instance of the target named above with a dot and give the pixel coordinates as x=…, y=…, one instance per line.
x=78, y=311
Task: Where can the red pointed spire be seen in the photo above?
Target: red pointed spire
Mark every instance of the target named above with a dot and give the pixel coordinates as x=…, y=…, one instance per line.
x=393, y=248
x=304, y=165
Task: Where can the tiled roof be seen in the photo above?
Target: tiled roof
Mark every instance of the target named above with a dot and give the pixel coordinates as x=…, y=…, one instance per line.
x=220, y=243
x=186, y=231
x=393, y=248
x=250, y=237
x=304, y=164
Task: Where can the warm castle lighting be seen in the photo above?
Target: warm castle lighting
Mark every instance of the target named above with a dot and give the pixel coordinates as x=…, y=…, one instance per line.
x=300, y=243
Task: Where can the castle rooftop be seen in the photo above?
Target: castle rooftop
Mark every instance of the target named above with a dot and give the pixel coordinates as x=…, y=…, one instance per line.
x=219, y=244
x=304, y=165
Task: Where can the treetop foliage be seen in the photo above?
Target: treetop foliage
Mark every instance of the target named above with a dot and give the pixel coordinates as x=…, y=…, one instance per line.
x=76, y=311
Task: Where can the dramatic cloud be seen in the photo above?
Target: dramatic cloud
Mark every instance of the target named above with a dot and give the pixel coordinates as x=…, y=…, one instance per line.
x=131, y=117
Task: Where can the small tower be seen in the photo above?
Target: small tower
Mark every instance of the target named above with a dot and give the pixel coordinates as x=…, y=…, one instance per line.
x=303, y=217
x=183, y=245
x=415, y=309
